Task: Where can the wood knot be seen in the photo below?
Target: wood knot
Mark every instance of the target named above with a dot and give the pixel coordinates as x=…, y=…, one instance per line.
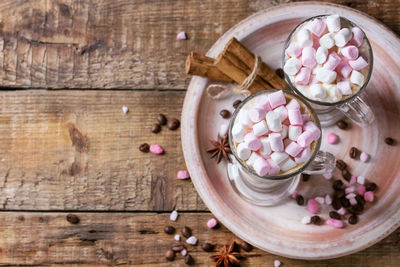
x=79, y=141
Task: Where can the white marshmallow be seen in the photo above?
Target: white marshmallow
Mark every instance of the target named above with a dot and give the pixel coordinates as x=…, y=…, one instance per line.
x=238, y=132
x=243, y=118
x=326, y=76
x=252, y=159
x=333, y=93
x=333, y=23
x=294, y=132
x=317, y=91
x=260, y=128
x=361, y=179
x=265, y=149
x=288, y=164
x=304, y=38
x=357, y=78
x=243, y=151
x=292, y=66
x=343, y=37
x=284, y=131
x=321, y=55
x=282, y=112
x=279, y=157
x=273, y=121
x=327, y=41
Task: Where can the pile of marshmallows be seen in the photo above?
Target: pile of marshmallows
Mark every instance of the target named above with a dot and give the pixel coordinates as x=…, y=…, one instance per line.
x=333, y=58
x=272, y=136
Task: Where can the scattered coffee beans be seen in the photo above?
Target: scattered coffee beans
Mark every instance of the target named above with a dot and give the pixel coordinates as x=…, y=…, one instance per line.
x=360, y=200
x=315, y=219
x=342, y=124
x=390, y=141
x=236, y=103
x=170, y=255
x=336, y=203
x=207, y=247
x=345, y=202
x=144, y=147
x=341, y=165
x=162, y=120
x=169, y=230
x=305, y=177
x=186, y=232
x=353, y=219
x=189, y=259
x=300, y=200
x=173, y=124
x=246, y=246
x=177, y=248
x=370, y=186
x=335, y=215
x=346, y=175
x=354, y=152
x=73, y=219
x=156, y=128
x=225, y=113
x=337, y=185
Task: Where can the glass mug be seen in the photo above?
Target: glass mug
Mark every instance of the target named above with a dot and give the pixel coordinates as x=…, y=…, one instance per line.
x=270, y=190
x=353, y=106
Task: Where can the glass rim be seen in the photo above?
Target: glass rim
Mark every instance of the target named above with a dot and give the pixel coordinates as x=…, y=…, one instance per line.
x=340, y=102
x=286, y=175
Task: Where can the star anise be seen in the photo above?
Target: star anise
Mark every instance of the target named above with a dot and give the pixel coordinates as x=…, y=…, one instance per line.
x=227, y=257
x=220, y=148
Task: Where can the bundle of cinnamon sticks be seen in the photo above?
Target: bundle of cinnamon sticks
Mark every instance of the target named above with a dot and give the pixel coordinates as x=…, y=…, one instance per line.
x=234, y=64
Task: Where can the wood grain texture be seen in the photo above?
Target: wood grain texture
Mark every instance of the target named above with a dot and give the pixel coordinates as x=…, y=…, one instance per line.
x=76, y=150
x=122, y=44
x=110, y=239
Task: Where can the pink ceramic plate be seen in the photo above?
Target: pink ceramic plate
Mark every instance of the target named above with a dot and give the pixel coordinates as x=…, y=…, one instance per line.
x=278, y=229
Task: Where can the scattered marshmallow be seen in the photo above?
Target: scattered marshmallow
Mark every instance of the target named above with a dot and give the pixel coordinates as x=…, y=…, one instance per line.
x=156, y=149
x=212, y=223
x=277, y=263
x=350, y=196
x=177, y=237
x=334, y=223
x=327, y=176
x=328, y=200
x=173, y=216
x=125, y=109
x=349, y=190
x=312, y=206
x=332, y=138
x=306, y=220
x=333, y=23
x=184, y=252
x=181, y=36
x=353, y=201
x=361, y=190
x=192, y=240
x=320, y=200
x=361, y=180
x=341, y=211
x=353, y=180
x=369, y=196
x=364, y=156
x=182, y=175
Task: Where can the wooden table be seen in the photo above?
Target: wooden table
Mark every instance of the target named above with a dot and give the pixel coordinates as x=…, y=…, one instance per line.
x=72, y=150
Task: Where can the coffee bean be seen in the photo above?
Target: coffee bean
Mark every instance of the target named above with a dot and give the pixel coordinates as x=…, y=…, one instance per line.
x=358, y=207
x=353, y=219
x=354, y=152
x=300, y=200
x=189, y=259
x=341, y=165
x=315, y=219
x=170, y=255
x=246, y=246
x=173, y=124
x=390, y=141
x=360, y=200
x=336, y=204
x=335, y=215
x=225, y=113
x=346, y=175
x=156, y=128
x=144, y=147
x=337, y=185
x=345, y=202
x=236, y=103
x=73, y=219
x=370, y=186
x=305, y=177
x=339, y=193
x=280, y=73
x=177, y=248
x=169, y=230
x=342, y=124
x=162, y=120
x=186, y=231
x=207, y=247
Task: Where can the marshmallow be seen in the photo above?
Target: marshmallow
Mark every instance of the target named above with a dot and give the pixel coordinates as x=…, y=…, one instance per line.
x=261, y=166
x=293, y=149
x=327, y=41
x=265, y=149
x=321, y=55
x=275, y=141
x=308, y=57
x=357, y=78
x=275, y=169
x=328, y=199
x=276, y=99
x=256, y=114
x=326, y=76
x=344, y=87
x=252, y=141
x=306, y=138
x=333, y=23
x=303, y=156
x=295, y=117
x=243, y=151
x=260, y=128
x=288, y=164
x=333, y=92
x=293, y=50
x=332, y=62
x=284, y=131
x=311, y=127
x=262, y=101
x=279, y=157
x=292, y=66
x=244, y=118
x=361, y=179
x=282, y=112
x=358, y=36
x=252, y=159
x=294, y=132
x=359, y=63
x=313, y=80
x=317, y=91
x=344, y=69
x=238, y=132
x=343, y=37
x=350, y=52
x=273, y=121
x=317, y=27
x=293, y=104
x=304, y=38
x=303, y=77
x=334, y=223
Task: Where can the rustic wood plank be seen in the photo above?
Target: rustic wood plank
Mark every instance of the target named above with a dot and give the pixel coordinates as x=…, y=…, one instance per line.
x=104, y=239
x=123, y=44
x=76, y=150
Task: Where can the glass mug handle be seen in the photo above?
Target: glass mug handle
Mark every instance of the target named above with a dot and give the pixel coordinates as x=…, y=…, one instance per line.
x=324, y=162
x=358, y=111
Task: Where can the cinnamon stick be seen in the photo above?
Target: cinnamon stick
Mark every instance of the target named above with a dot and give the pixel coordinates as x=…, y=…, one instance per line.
x=200, y=65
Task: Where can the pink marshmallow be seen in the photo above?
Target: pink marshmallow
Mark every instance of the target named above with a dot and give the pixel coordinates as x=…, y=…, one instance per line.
x=252, y=141
x=308, y=57
x=361, y=190
x=341, y=211
x=275, y=169
x=317, y=27
x=295, y=117
x=293, y=50
x=303, y=156
x=305, y=139
x=303, y=76
x=353, y=180
x=359, y=63
x=332, y=138
x=344, y=69
x=293, y=149
x=212, y=223
x=350, y=52
x=156, y=149
x=334, y=223
x=182, y=175
x=344, y=87
x=364, y=156
x=327, y=176
x=181, y=36
x=312, y=206
x=295, y=193
x=369, y=196
x=293, y=104
x=332, y=61
x=276, y=99
x=311, y=127
x=256, y=114
x=313, y=79
x=261, y=166
x=275, y=141
x=353, y=201
x=358, y=36
x=320, y=200
x=349, y=190
x=262, y=101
